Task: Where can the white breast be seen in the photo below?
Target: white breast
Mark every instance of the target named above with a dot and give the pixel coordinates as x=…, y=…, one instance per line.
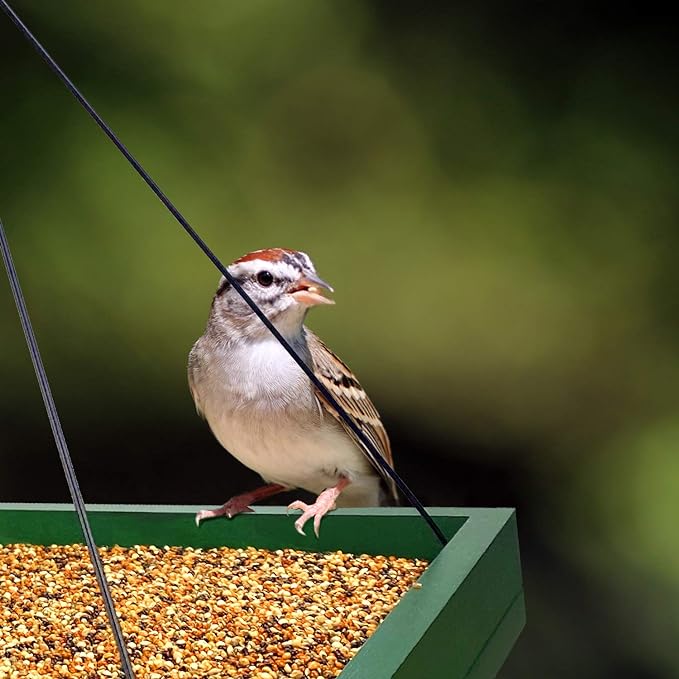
x=261, y=407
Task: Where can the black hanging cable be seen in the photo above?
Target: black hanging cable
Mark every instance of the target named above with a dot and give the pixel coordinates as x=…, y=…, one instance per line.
x=373, y=454
x=64, y=454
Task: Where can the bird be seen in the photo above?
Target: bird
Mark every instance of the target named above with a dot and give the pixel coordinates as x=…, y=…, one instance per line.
x=264, y=410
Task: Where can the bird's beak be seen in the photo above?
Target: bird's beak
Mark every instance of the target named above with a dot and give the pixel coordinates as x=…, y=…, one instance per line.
x=307, y=291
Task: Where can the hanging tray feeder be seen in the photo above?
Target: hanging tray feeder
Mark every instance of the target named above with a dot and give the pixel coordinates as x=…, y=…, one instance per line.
x=460, y=621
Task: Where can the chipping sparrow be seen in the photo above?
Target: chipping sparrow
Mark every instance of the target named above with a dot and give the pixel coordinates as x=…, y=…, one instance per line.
x=264, y=410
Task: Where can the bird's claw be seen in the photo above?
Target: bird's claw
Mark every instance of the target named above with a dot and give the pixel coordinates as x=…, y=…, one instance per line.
x=306, y=515
x=324, y=503
x=229, y=510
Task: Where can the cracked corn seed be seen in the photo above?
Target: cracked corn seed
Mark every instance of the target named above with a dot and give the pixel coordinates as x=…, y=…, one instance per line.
x=190, y=613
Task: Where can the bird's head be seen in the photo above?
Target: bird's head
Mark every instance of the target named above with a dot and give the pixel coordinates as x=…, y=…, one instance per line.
x=283, y=283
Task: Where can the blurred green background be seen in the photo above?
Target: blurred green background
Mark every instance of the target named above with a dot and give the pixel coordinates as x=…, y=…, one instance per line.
x=492, y=190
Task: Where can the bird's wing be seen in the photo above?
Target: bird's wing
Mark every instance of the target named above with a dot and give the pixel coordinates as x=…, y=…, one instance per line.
x=344, y=386
x=192, y=369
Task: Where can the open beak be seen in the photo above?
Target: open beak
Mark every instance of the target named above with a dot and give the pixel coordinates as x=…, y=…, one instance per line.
x=308, y=291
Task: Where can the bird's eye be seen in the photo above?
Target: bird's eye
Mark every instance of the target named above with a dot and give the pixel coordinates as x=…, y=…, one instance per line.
x=265, y=278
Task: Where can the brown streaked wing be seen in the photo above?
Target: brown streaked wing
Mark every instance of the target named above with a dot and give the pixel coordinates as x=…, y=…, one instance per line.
x=344, y=386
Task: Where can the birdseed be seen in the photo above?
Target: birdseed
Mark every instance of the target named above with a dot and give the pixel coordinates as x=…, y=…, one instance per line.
x=190, y=613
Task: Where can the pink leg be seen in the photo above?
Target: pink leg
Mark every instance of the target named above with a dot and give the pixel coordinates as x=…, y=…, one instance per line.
x=240, y=504
x=325, y=502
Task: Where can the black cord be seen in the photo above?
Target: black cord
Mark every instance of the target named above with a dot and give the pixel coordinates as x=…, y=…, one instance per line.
x=371, y=451
x=64, y=454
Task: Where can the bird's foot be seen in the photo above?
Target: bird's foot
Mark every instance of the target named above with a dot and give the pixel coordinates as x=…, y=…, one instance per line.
x=236, y=505
x=240, y=504
x=325, y=502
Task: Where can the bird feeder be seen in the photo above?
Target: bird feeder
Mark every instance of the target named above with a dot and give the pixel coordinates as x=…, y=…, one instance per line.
x=460, y=620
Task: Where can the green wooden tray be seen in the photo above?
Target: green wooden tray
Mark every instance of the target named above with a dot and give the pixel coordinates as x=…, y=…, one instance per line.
x=462, y=622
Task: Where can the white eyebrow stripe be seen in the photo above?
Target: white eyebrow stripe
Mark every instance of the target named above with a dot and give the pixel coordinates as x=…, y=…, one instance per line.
x=253, y=266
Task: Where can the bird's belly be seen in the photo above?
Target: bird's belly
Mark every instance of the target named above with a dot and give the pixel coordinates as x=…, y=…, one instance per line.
x=291, y=451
